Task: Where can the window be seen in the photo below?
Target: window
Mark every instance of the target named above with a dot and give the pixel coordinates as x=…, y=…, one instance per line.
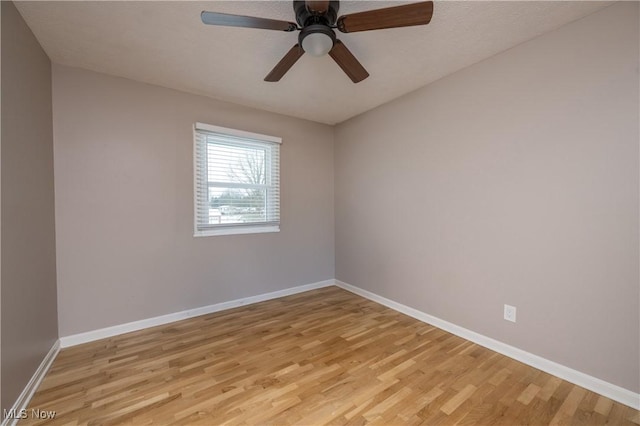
x=237, y=181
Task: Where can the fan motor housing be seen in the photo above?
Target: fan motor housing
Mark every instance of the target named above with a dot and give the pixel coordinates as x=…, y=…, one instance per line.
x=304, y=17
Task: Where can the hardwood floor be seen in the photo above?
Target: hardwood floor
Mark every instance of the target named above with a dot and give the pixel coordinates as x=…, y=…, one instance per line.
x=321, y=357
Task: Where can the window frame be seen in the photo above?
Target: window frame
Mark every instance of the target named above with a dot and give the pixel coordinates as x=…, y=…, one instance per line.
x=232, y=229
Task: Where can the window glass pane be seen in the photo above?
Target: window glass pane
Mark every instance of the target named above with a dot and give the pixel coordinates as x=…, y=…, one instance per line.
x=236, y=205
x=236, y=164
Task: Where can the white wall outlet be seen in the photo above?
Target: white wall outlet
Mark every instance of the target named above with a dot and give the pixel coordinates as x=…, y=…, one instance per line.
x=510, y=313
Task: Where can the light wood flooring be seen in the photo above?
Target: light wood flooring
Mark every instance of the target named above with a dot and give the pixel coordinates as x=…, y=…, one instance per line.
x=321, y=357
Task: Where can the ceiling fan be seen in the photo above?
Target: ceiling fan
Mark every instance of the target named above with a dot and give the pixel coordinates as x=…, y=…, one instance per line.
x=316, y=21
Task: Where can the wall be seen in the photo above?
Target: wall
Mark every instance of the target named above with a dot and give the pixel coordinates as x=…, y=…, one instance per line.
x=124, y=204
x=29, y=313
x=1, y=400
x=512, y=181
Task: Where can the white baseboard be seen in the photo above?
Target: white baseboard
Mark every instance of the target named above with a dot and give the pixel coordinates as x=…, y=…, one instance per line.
x=90, y=336
x=614, y=392
x=27, y=393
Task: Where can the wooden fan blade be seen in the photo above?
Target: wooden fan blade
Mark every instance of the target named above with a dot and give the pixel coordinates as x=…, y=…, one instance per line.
x=285, y=63
x=348, y=62
x=390, y=17
x=317, y=7
x=227, y=20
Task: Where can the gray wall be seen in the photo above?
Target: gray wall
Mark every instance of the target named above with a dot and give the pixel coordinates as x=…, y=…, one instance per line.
x=512, y=181
x=124, y=204
x=29, y=314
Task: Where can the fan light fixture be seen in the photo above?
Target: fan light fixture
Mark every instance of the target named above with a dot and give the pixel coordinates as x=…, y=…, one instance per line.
x=317, y=44
x=317, y=40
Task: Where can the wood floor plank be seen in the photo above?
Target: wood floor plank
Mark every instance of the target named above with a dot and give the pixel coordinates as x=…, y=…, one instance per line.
x=528, y=394
x=322, y=357
x=451, y=405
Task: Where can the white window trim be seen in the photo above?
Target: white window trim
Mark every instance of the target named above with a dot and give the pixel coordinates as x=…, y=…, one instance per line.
x=237, y=133
x=257, y=229
x=231, y=230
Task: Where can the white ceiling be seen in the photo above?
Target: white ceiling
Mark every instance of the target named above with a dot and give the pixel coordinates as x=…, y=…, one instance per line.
x=165, y=43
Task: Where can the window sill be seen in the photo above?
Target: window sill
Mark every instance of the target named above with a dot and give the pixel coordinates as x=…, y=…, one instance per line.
x=236, y=231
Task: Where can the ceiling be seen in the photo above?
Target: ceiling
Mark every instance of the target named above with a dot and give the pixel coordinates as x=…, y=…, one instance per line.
x=165, y=43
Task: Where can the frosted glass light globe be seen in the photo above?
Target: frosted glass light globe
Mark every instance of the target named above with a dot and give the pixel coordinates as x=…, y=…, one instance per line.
x=317, y=44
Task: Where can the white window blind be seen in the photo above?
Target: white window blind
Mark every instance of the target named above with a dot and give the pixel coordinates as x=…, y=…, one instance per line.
x=237, y=181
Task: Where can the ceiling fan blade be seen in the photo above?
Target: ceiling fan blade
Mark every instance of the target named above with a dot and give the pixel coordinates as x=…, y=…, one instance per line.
x=348, y=62
x=227, y=20
x=390, y=17
x=318, y=7
x=285, y=63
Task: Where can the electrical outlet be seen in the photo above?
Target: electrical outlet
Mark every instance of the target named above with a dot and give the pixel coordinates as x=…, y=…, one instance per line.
x=510, y=313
